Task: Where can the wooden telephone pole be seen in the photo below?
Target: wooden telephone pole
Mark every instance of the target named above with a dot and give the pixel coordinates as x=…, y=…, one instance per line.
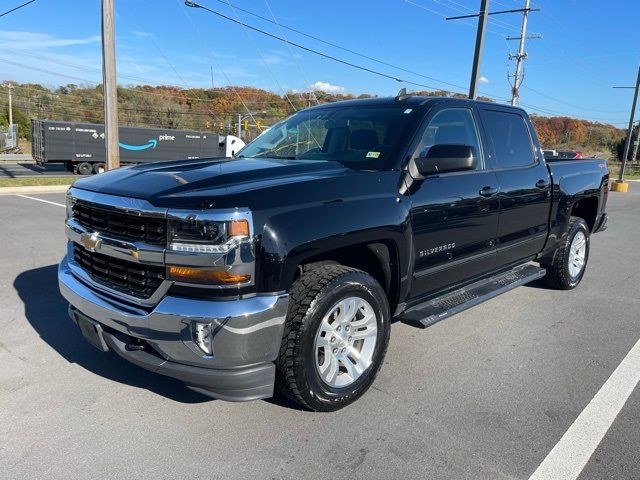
x=482, y=22
x=110, y=88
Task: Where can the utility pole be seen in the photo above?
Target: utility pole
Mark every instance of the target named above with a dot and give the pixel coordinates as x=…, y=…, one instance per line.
x=477, y=54
x=482, y=21
x=627, y=143
x=9, y=86
x=239, y=132
x=110, y=88
x=521, y=55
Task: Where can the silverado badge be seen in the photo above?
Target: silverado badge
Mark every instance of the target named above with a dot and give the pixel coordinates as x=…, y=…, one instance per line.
x=438, y=249
x=91, y=241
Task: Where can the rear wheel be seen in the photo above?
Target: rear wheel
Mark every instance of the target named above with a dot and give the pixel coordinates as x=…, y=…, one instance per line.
x=98, y=168
x=84, y=168
x=335, y=337
x=570, y=260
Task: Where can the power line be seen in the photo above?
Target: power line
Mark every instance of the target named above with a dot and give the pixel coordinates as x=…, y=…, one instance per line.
x=261, y=56
x=563, y=114
x=571, y=104
x=16, y=8
x=463, y=22
x=189, y=3
x=218, y=64
x=293, y=57
x=52, y=102
x=497, y=22
x=335, y=45
x=138, y=90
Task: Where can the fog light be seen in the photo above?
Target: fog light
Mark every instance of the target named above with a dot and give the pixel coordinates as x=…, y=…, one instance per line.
x=201, y=334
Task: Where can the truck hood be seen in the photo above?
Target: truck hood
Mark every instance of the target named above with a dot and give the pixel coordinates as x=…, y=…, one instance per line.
x=200, y=183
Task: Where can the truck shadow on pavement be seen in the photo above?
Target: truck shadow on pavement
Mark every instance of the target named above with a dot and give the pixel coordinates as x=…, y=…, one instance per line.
x=46, y=311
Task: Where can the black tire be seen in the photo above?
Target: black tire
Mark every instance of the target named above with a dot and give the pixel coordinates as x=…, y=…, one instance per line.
x=558, y=272
x=84, y=168
x=98, y=167
x=312, y=295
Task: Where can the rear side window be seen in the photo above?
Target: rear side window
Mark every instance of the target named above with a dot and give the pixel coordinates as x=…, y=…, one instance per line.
x=510, y=137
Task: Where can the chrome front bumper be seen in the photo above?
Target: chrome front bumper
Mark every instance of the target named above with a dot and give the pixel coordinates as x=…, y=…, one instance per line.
x=244, y=346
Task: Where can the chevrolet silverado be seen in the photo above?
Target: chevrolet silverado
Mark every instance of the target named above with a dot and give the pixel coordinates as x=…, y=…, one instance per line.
x=285, y=266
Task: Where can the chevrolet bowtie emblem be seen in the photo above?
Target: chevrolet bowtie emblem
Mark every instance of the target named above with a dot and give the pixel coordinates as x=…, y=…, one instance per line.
x=91, y=241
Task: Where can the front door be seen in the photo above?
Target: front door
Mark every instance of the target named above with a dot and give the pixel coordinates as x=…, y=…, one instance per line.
x=454, y=215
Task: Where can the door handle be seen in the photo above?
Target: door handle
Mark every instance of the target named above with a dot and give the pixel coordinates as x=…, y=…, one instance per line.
x=542, y=184
x=488, y=191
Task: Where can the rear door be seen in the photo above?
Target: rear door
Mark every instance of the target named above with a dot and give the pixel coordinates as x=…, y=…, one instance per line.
x=525, y=184
x=454, y=215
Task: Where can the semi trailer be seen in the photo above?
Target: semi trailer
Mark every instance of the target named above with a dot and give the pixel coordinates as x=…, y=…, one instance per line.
x=80, y=146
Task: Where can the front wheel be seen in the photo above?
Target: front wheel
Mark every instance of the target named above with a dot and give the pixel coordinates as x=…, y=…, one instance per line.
x=570, y=260
x=335, y=337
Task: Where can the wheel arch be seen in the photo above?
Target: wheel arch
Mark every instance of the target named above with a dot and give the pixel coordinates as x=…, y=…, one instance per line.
x=587, y=209
x=380, y=258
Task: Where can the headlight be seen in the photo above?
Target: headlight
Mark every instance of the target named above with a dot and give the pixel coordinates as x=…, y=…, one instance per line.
x=202, y=235
x=212, y=247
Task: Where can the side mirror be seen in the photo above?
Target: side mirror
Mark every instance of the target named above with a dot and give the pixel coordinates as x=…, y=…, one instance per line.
x=447, y=158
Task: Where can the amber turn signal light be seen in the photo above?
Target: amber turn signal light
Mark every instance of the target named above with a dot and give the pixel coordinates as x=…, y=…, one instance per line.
x=201, y=275
x=238, y=228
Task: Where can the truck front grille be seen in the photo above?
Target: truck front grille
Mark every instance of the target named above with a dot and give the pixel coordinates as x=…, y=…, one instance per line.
x=131, y=278
x=125, y=226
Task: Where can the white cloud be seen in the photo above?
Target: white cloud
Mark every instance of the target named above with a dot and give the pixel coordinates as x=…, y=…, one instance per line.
x=483, y=80
x=326, y=87
x=39, y=41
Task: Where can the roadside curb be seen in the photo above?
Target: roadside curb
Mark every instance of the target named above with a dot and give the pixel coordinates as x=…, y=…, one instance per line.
x=34, y=189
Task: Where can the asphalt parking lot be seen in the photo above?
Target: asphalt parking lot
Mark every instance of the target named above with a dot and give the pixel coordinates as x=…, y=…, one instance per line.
x=487, y=394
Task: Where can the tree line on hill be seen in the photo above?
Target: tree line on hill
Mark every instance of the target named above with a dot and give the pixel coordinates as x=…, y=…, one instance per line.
x=217, y=109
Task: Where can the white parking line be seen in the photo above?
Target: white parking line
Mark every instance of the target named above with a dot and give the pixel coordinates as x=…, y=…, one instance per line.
x=572, y=452
x=41, y=200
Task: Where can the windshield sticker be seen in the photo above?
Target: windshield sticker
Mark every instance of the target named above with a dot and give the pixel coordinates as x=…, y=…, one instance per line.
x=408, y=110
x=373, y=154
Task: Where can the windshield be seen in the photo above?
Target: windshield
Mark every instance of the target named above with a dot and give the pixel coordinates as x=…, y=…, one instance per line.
x=360, y=137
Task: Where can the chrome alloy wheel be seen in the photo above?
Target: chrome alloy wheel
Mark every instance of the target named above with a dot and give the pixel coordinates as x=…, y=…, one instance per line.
x=345, y=342
x=577, y=254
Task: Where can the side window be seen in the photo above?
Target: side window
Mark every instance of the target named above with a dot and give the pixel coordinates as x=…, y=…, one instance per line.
x=451, y=126
x=510, y=137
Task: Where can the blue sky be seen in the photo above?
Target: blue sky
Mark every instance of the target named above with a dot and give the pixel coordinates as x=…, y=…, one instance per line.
x=587, y=47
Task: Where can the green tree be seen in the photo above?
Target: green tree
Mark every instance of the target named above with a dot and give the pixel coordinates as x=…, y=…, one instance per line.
x=618, y=148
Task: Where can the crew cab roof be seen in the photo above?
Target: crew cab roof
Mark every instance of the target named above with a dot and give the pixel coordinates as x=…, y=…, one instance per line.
x=409, y=100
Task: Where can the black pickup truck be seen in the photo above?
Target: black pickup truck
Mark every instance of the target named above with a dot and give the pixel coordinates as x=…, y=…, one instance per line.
x=286, y=266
